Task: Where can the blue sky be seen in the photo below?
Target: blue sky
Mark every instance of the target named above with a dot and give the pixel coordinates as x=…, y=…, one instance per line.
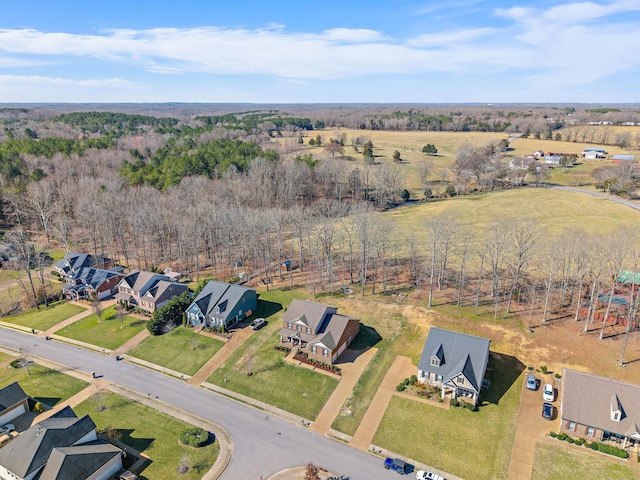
x=320, y=51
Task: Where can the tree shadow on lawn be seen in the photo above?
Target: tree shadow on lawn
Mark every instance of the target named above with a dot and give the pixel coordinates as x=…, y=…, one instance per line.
x=140, y=444
x=502, y=371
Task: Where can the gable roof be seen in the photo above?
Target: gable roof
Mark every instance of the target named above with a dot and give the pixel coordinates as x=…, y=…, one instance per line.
x=315, y=314
x=10, y=395
x=459, y=353
x=73, y=261
x=605, y=396
x=36, y=443
x=93, y=277
x=79, y=462
x=164, y=290
x=141, y=281
x=225, y=296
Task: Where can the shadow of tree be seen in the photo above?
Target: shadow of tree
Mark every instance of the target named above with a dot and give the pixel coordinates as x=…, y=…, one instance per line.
x=49, y=401
x=502, y=371
x=265, y=310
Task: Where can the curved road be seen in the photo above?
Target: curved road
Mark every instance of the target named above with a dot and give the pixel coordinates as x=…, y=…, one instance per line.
x=263, y=444
x=606, y=196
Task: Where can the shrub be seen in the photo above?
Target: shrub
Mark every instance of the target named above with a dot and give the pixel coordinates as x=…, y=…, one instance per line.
x=570, y=440
x=414, y=379
x=558, y=376
x=471, y=406
x=562, y=436
x=553, y=434
x=543, y=369
x=169, y=316
x=450, y=191
x=581, y=441
x=593, y=446
x=454, y=402
x=55, y=273
x=194, y=437
x=400, y=387
x=38, y=407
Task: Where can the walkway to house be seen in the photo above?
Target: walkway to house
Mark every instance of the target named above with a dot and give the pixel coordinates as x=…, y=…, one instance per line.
x=75, y=318
x=122, y=349
x=399, y=370
x=238, y=338
x=350, y=374
x=530, y=428
x=78, y=398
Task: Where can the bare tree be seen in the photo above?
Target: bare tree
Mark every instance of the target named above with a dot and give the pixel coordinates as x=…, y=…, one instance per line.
x=25, y=358
x=25, y=255
x=311, y=472
x=522, y=240
x=97, y=308
x=98, y=395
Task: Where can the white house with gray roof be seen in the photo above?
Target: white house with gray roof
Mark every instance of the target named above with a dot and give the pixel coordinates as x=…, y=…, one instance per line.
x=455, y=362
x=599, y=408
x=221, y=304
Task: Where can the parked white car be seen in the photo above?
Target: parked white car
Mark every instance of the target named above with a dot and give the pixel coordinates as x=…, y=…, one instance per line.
x=422, y=475
x=548, y=393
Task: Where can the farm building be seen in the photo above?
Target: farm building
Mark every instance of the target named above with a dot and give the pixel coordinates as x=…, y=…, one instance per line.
x=622, y=158
x=595, y=149
x=592, y=155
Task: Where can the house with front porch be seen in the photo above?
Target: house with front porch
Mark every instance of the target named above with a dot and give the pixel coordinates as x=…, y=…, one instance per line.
x=91, y=283
x=455, y=362
x=221, y=305
x=599, y=408
x=318, y=330
x=73, y=262
x=147, y=291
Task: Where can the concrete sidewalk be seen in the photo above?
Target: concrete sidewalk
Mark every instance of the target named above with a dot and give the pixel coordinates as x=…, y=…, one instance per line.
x=399, y=370
x=78, y=398
x=239, y=337
x=350, y=374
x=133, y=342
x=75, y=318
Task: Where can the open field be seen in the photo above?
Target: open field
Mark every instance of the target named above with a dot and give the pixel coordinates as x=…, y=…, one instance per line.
x=45, y=385
x=306, y=391
x=153, y=433
x=182, y=350
x=46, y=318
x=107, y=333
x=560, y=462
x=554, y=210
x=4, y=357
x=446, y=436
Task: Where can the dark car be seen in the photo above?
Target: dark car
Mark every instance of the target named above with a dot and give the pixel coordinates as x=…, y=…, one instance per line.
x=399, y=466
x=547, y=411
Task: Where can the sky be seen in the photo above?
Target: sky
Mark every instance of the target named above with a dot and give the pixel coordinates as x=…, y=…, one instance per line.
x=347, y=51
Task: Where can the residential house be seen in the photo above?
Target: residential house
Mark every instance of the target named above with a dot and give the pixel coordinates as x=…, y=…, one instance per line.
x=90, y=283
x=147, y=291
x=60, y=447
x=455, y=362
x=13, y=402
x=221, y=304
x=622, y=158
x=318, y=330
x=74, y=262
x=599, y=408
x=592, y=154
x=523, y=163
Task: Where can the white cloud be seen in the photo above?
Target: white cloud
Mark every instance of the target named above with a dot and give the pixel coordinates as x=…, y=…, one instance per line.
x=450, y=38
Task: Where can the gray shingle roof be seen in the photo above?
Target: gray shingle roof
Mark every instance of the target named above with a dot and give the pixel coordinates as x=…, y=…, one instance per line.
x=28, y=452
x=314, y=314
x=78, y=463
x=589, y=400
x=219, y=294
x=458, y=353
x=164, y=290
x=10, y=395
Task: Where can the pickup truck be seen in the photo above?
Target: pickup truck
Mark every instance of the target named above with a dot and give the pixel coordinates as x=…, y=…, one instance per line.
x=399, y=466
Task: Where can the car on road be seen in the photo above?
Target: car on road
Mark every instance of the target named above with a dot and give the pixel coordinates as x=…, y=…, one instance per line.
x=257, y=324
x=423, y=475
x=532, y=384
x=547, y=411
x=399, y=466
x=6, y=428
x=548, y=394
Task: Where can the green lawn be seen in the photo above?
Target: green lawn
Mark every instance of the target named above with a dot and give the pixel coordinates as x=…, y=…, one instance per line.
x=559, y=462
x=294, y=389
x=455, y=440
x=181, y=350
x=152, y=432
x=5, y=356
x=106, y=334
x=45, y=385
x=46, y=318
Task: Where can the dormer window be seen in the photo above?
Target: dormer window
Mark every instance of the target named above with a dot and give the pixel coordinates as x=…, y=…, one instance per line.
x=435, y=361
x=615, y=416
x=616, y=408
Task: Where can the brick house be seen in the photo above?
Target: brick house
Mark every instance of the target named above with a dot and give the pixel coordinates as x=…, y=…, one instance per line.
x=147, y=291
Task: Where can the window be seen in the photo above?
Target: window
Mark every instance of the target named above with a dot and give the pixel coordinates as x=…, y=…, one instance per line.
x=308, y=330
x=572, y=426
x=313, y=349
x=325, y=352
x=590, y=431
x=435, y=362
x=289, y=325
x=460, y=380
x=616, y=416
x=298, y=328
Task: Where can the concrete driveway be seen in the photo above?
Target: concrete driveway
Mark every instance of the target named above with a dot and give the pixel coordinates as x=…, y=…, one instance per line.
x=530, y=428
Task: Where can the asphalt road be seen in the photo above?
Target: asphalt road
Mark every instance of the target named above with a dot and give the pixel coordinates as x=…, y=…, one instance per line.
x=606, y=196
x=263, y=444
